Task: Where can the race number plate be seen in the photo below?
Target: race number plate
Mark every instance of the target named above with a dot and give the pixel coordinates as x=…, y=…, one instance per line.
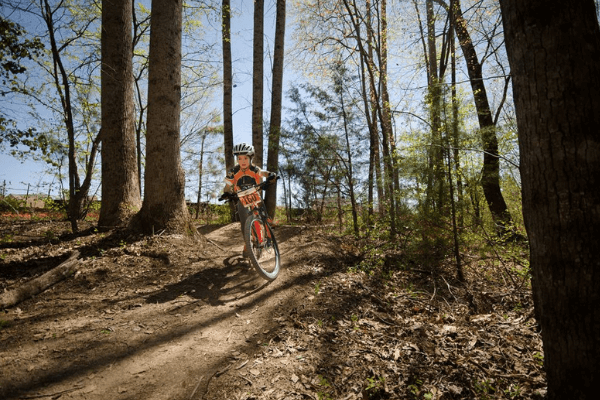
x=249, y=198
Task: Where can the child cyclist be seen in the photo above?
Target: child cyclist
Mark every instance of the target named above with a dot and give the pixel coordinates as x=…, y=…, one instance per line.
x=243, y=176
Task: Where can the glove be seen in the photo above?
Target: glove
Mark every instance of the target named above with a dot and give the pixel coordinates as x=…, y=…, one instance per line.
x=224, y=197
x=272, y=176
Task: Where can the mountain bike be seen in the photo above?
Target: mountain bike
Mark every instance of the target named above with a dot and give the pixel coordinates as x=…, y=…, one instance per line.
x=258, y=234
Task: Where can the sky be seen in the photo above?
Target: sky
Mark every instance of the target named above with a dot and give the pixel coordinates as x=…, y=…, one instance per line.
x=17, y=176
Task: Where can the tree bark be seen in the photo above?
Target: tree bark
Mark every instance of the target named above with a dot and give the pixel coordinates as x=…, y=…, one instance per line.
x=276, y=100
x=490, y=174
x=385, y=117
x=120, y=186
x=227, y=86
x=553, y=49
x=257, y=82
x=41, y=283
x=164, y=205
x=77, y=192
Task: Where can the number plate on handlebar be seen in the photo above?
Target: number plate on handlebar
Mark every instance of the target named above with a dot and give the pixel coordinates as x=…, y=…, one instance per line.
x=249, y=198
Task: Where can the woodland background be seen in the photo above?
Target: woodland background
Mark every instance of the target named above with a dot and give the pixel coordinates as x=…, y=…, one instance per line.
x=398, y=117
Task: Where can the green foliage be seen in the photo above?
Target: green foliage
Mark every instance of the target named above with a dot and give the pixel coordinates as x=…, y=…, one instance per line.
x=4, y=324
x=50, y=235
x=539, y=358
x=317, y=287
x=324, y=386
x=11, y=204
x=374, y=386
x=14, y=137
x=485, y=388
x=222, y=213
x=7, y=238
x=13, y=50
x=513, y=392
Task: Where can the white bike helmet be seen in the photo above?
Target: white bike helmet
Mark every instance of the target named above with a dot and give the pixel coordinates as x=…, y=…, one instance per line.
x=243, y=149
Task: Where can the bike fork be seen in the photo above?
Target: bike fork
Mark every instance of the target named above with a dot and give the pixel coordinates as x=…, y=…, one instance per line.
x=258, y=230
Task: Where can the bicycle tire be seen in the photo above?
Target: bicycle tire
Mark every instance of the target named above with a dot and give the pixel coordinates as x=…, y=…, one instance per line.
x=262, y=246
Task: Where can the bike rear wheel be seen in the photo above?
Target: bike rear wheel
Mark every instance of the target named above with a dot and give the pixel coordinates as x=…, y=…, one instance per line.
x=262, y=247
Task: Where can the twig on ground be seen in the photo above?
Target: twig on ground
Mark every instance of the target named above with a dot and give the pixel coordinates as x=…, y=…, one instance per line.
x=216, y=245
x=56, y=394
x=196, y=388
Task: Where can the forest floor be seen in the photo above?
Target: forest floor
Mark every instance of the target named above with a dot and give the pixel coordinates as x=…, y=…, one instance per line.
x=169, y=317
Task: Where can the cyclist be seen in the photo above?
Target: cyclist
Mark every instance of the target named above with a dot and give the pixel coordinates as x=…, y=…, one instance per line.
x=243, y=176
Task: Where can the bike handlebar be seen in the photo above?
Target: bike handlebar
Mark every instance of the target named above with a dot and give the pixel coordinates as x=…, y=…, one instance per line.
x=228, y=196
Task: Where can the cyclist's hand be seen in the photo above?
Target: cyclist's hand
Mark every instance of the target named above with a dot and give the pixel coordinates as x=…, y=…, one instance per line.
x=224, y=196
x=272, y=176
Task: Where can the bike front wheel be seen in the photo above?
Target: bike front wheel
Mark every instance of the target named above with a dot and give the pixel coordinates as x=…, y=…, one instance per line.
x=262, y=246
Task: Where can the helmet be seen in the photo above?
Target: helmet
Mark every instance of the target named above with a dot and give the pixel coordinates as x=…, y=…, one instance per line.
x=243, y=149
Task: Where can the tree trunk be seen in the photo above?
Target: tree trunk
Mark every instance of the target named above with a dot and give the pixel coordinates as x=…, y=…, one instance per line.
x=553, y=49
x=164, y=205
x=490, y=174
x=435, y=176
x=257, y=82
x=227, y=86
x=120, y=186
x=62, y=85
x=41, y=283
x=370, y=98
x=385, y=116
x=347, y=165
x=276, y=100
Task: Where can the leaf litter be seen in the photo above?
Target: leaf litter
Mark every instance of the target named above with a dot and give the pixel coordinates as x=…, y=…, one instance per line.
x=325, y=330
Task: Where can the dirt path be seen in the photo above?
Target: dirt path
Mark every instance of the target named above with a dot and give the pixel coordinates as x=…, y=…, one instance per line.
x=167, y=317
x=155, y=319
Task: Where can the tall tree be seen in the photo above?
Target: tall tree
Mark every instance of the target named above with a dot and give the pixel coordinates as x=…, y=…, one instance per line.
x=553, y=49
x=257, y=81
x=78, y=190
x=227, y=85
x=385, y=117
x=374, y=59
x=164, y=205
x=120, y=186
x=490, y=173
x=276, y=100
x=435, y=195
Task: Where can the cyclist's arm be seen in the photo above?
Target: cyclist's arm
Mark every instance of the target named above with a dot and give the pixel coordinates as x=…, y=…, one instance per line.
x=264, y=173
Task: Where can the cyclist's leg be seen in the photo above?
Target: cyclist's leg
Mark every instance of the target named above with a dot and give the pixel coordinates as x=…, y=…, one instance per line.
x=243, y=215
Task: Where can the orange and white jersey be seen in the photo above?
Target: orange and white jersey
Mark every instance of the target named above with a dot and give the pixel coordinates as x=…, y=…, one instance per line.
x=241, y=179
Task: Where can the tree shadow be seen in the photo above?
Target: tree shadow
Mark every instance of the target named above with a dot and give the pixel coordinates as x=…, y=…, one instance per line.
x=215, y=285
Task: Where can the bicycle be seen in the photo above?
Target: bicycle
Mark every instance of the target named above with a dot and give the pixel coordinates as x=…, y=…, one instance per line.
x=259, y=238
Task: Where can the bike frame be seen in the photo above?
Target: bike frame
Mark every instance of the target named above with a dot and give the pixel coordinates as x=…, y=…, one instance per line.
x=257, y=231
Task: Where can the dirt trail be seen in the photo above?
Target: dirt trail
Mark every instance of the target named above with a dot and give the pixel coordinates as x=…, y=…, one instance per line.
x=149, y=320
x=167, y=317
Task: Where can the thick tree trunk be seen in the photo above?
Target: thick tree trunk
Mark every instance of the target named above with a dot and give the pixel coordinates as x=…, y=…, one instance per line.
x=553, y=48
x=276, y=101
x=120, y=187
x=164, y=205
